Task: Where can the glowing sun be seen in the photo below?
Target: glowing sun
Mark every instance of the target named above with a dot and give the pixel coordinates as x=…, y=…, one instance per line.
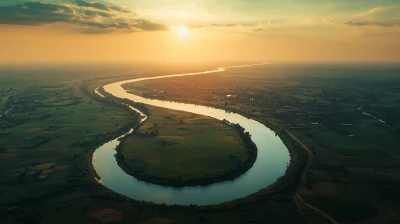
x=181, y=31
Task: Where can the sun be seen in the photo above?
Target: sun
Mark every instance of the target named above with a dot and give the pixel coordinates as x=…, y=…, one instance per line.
x=181, y=31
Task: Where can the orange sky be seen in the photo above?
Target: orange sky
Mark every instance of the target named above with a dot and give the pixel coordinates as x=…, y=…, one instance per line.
x=320, y=39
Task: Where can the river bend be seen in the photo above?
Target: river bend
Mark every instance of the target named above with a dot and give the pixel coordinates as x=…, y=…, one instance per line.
x=271, y=162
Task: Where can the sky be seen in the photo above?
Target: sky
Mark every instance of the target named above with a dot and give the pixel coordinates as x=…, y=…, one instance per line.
x=180, y=31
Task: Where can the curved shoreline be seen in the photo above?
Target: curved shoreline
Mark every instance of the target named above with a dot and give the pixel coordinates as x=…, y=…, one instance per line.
x=270, y=166
x=228, y=175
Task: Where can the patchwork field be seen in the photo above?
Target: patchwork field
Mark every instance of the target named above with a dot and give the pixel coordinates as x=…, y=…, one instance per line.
x=347, y=115
x=48, y=138
x=53, y=124
x=50, y=123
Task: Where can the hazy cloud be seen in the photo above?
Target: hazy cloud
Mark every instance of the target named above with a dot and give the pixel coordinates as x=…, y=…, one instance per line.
x=90, y=15
x=100, y=6
x=249, y=24
x=378, y=16
x=371, y=23
x=148, y=25
x=378, y=10
x=35, y=13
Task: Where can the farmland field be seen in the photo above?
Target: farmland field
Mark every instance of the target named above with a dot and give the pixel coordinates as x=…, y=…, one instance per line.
x=50, y=124
x=55, y=124
x=354, y=156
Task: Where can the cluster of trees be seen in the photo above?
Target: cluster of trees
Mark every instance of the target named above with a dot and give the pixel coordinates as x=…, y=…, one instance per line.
x=152, y=133
x=246, y=138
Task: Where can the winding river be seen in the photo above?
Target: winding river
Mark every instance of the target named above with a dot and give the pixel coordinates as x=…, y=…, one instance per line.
x=271, y=162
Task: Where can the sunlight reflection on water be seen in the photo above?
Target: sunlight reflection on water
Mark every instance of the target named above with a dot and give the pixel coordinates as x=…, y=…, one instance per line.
x=270, y=164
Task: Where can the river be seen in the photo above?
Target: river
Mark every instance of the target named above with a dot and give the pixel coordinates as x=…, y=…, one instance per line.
x=271, y=162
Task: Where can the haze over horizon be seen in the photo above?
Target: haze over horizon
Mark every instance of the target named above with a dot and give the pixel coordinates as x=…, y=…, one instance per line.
x=199, y=31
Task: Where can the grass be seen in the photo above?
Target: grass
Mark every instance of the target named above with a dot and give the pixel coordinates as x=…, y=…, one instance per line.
x=186, y=146
x=52, y=122
x=69, y=194
x=294, y=97
x=73, y=127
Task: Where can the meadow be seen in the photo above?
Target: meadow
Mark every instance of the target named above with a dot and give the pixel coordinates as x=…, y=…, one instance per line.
x=175, y=148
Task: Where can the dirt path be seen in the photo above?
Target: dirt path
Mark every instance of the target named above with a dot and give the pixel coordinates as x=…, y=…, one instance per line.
x=305, y=147
x=9, y=110
x=316, y=209
x=297, y=196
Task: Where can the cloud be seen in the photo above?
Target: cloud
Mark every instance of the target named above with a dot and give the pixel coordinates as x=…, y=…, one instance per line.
x=100, y=6
x=148, y=25
x=377, y=10
x=90, y=15
x=245, y=24
x=35, y=13
x=233, y=24
x=372, y=23
x=384, y=17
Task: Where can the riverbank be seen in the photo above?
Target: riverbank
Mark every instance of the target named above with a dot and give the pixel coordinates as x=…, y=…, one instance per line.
x=299, y=158
x=285, y=185
x=229, y=174
x=274, y=157
x=79, y=198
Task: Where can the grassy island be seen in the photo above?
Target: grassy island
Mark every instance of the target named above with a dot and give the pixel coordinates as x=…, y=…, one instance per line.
x=179, y=149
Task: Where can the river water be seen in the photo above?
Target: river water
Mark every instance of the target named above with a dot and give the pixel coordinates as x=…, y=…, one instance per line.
x=271, y=162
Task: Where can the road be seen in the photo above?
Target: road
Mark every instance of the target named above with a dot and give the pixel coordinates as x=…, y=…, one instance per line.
x=309, y=151
x=9, y=110
x=297, y=196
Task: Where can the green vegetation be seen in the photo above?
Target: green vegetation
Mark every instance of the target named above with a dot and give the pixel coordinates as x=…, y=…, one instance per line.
x=47, y=141
x=177, y=148
x=355, y=157
x=50, y=178
x=50, y=121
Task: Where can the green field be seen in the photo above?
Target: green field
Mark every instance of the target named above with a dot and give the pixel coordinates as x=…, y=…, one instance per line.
x=56, y=123
x=52, y=121
x=355, y=158
x=173, y=144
